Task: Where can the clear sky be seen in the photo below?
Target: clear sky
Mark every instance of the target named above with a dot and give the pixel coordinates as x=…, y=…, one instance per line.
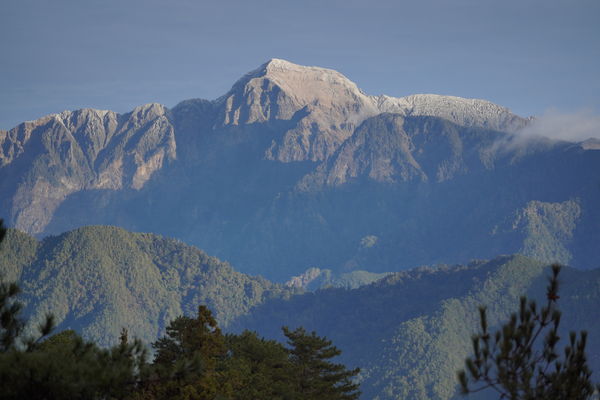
x=527, y=55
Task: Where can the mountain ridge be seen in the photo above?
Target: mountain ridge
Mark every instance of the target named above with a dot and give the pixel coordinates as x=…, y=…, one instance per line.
x=99, y=279
x=414, y=327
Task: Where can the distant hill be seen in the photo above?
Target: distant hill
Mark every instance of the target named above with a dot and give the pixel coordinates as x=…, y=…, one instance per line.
x=296, y=167
x=97, y=280
x=411, y=331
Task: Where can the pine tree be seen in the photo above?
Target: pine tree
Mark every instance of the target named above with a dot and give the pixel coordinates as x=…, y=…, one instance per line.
x=187, y=337
x=10, y=325
x=187, y=360
x=517, y=366
x=315, y=376
x=257, y=368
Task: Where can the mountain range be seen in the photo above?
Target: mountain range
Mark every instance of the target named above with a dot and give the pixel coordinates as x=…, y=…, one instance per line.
x=295, y=168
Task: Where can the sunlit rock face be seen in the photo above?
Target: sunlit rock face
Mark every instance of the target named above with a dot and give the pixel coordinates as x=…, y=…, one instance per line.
x=328, y=107
x=60, y=154
x=325, y=106
x=46, y=160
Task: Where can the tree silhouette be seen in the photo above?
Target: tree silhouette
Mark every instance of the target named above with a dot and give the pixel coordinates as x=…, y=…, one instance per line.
x=316, y=377
x=514, y=363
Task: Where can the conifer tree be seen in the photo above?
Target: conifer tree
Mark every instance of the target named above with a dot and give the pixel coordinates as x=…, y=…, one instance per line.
x=187, y=359
x=315, y=376
x=11, y=325
x=257, y=368
x=514, y=363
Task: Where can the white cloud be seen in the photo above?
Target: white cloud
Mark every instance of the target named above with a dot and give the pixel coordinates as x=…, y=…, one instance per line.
x=572, y=127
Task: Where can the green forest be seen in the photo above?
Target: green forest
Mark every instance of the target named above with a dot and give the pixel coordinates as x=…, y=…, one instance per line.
x=138, y=316
x=193, y=360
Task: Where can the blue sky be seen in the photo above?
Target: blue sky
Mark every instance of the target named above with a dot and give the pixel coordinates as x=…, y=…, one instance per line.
x=529, y=56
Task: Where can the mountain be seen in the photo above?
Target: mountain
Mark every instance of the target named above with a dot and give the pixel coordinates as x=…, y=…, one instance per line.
x=98, y=280
x=410, y=332
x=295, y=167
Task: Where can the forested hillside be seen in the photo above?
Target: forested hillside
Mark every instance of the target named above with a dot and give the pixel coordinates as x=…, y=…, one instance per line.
x=411, y=331
x=98, y=280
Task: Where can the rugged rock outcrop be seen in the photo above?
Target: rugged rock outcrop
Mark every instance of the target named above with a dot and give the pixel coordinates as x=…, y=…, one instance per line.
x=392, y=148
x=46, y=160
x=327, y=107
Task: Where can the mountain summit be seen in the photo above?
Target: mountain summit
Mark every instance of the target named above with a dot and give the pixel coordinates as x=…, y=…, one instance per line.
x=328, y=107
x=325, y=105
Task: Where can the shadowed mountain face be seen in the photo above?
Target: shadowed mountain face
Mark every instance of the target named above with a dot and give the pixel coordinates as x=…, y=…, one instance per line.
x=295, y=166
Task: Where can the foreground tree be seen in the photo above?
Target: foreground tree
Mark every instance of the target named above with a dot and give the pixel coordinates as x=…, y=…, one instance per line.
x=258, y=368
x=514, y=363
x=194, y=360
x=315, y=376
x=188, y=360
x=67, y=367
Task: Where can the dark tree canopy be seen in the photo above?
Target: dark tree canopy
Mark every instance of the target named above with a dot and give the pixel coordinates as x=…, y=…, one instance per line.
x=258, y=368
x=187, y=337
x=316, y=376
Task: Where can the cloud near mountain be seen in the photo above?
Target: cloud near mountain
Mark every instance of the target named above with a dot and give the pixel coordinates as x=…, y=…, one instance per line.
x=573, y=127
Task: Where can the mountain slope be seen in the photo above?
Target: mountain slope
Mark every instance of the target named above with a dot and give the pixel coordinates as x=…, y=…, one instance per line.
x=47, y=160
x=410, y=332
x=98, y=280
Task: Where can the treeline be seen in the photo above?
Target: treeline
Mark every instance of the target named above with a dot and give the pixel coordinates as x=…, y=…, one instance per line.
x=194, y=360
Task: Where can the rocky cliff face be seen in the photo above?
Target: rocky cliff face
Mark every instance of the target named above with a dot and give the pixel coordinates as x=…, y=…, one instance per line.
x=45, y=161
x=327, y=107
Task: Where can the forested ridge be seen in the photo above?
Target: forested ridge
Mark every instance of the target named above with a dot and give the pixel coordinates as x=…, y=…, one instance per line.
x=192, y=361
x=97, y=280
x=409, y=332
x=414, y=327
